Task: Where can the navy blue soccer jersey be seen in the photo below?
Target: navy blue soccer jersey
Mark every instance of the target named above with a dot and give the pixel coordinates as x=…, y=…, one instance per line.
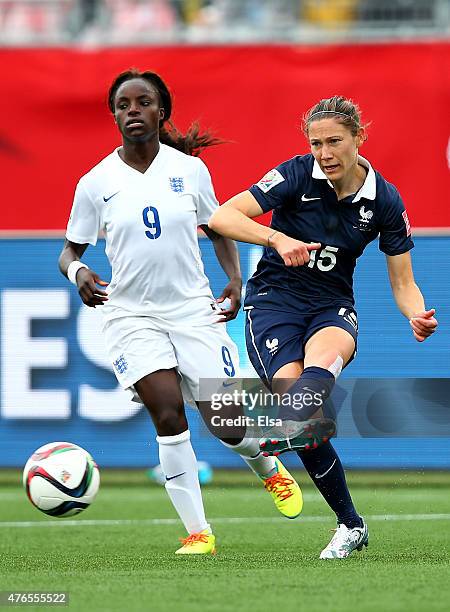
x=305, y=207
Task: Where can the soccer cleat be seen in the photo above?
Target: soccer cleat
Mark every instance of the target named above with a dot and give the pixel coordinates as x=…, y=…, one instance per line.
x=297, y=435
x=285, y=492
x=345, y=541
x=202, y=543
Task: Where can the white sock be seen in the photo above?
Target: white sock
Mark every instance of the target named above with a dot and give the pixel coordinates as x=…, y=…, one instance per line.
x=179, y=466
x=250, y=452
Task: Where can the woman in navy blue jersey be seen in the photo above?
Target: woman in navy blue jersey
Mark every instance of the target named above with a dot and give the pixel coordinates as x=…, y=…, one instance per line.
x=301, y=327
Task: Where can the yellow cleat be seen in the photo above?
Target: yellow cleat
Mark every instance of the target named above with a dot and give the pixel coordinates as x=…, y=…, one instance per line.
x=285, y=492
x=202, y=543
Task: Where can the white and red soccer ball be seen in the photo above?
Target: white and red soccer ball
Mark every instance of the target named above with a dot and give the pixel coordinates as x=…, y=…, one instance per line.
x=61, y=479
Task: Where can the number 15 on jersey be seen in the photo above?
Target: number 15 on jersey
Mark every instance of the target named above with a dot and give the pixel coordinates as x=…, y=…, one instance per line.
x=325, y=260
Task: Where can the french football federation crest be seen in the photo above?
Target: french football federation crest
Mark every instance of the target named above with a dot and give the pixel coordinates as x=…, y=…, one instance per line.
x=366, y=215
x=272, y=345
x=364, y=219
x=176, y=184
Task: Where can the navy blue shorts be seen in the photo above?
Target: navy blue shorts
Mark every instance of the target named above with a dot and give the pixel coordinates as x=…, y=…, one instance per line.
x=275, y=337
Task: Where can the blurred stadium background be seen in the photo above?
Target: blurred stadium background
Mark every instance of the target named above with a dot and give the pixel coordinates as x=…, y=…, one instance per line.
x=248, y=69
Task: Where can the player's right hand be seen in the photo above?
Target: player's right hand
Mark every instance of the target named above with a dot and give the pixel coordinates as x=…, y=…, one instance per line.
x=293, y=252
x=87, y=281
x=423, y=324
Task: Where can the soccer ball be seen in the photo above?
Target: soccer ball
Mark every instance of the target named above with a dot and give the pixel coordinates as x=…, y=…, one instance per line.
x=61, y=479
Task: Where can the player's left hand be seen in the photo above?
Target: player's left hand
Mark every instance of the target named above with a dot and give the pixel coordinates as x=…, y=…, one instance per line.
x=423, y=324
x=233, y=292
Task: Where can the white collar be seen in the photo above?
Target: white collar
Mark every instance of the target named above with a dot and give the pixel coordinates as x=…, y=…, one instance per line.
x=369, y=187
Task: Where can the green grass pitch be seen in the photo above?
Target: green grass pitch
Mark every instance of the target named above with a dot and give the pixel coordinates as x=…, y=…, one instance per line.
x=117, y=555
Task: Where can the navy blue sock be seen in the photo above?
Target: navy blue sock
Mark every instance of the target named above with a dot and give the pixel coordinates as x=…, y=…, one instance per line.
x=307, y=394
x=326, y=471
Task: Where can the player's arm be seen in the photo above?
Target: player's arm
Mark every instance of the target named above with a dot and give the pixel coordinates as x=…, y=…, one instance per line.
x=408, y=296
x=85, y=278
x=234, y=219
x=228, y=257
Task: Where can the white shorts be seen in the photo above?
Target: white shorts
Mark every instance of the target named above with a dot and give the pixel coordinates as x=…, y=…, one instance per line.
x=138, y=346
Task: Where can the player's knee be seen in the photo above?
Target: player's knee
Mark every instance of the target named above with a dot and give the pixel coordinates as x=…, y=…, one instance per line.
x=330, y=360
x=170, y=421
x=334, y=363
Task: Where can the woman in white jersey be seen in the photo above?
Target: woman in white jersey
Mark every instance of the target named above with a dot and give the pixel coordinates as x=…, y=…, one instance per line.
x=160, y=318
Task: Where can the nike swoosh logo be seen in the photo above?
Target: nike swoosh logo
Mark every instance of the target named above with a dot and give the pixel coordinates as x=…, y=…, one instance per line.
x=306, y=199
x=325, y=473
x=230, y=384
x=176, y=476
x=111, y=196
x=309, y=390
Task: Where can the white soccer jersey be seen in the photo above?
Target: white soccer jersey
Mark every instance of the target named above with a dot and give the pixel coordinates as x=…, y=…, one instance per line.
x=150, y=223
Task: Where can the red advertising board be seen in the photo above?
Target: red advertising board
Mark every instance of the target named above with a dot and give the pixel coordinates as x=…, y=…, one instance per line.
x=56, y=125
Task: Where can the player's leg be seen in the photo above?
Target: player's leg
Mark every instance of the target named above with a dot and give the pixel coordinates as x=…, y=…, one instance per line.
x=277, y=480
x=161, y=394
x=301, y=423
x=281, y=485
x=330, y=344
x=208, y=353
x=145, y=363
x=288, y=364
x=323, y=464
x=274, y=341
x=327, y=473
x=326, y=353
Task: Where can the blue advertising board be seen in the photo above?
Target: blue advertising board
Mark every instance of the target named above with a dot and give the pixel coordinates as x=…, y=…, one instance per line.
x=56, y=382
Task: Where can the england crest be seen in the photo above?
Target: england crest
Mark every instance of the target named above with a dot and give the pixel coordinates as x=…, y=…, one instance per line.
x=176, y=184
